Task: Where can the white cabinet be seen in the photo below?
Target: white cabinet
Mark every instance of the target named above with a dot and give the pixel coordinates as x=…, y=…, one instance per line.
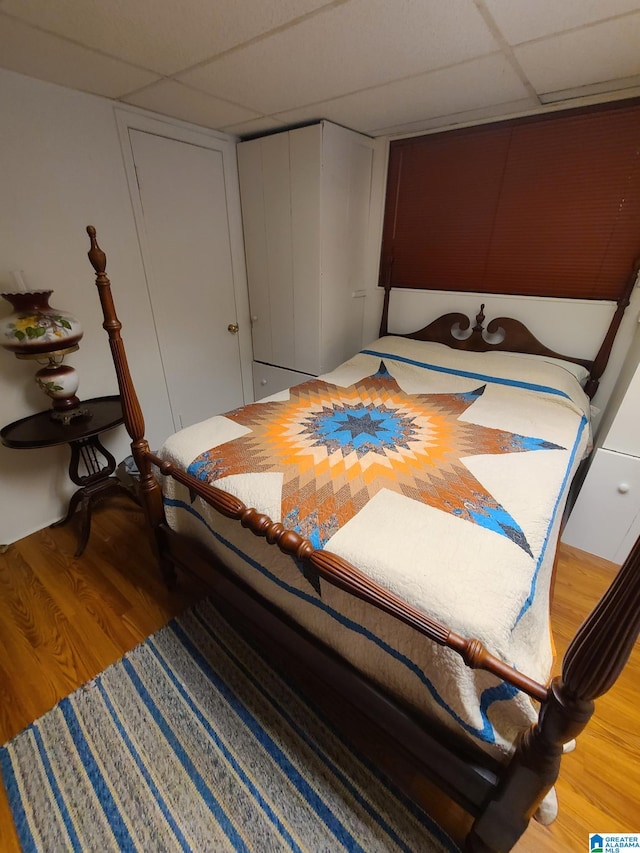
x=605, y=519
x=305, y=208
x=607, y=511
x=624, y=433
x=268, y=379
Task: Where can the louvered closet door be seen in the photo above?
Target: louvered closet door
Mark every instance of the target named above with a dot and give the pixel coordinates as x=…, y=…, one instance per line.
x=188, y=262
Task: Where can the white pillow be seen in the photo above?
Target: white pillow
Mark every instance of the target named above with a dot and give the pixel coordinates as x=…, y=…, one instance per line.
x=581, y=373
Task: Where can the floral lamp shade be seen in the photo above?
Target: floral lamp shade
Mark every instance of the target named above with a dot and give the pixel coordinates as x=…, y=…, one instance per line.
x=36, y=330
x=35, y=327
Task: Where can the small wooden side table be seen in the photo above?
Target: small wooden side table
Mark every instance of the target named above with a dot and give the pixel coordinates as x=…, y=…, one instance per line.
x=82, y=436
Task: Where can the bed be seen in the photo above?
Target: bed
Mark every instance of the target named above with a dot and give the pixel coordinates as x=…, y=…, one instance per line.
x=415, y=497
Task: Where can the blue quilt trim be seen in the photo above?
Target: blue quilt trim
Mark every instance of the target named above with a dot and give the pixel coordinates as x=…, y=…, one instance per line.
x=497, y=380
x=534, y=580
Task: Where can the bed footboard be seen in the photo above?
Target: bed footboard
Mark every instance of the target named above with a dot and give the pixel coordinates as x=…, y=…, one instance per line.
x=594, y=660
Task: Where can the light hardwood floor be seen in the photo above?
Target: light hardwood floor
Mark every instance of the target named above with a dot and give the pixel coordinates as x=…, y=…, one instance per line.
x=63, y=620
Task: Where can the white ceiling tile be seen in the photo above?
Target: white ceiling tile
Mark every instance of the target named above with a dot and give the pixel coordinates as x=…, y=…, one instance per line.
x=627, y=87
x=252, y=128
x=165, y=37
x=56, y=60
x=601, y=52
x=478, y=83
x=512, y=109
x=174, y=99
x=359, y=44
x=373, y=65
x=523, y=20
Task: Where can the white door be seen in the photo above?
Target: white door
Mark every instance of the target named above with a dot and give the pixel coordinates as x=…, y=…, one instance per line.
x=188, y=262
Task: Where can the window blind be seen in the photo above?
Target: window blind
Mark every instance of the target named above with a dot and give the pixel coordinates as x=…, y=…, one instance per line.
x=544, y=206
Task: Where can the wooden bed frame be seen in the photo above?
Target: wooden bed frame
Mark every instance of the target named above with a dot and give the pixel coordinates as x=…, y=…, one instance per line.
x=501, y=798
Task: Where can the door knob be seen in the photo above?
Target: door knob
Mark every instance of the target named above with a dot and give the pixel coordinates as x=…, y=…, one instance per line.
x=233, y=328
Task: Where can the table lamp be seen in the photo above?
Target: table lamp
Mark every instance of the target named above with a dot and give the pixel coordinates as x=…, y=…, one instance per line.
x=37, y=331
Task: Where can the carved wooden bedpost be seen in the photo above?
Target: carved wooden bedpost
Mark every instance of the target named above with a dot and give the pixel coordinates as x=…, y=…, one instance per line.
x=602, y=358
x=384, y=319
x=150, y=492
x=591, y=665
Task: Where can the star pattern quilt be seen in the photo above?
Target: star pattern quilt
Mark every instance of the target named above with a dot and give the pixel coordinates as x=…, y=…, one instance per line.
x=338, y=447
x=442, y=475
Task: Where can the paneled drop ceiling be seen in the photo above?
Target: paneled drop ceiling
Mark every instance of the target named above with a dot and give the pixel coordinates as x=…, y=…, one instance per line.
x=383, y=67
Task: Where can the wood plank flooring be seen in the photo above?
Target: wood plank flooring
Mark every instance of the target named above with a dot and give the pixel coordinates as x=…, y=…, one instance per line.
x=63, y=620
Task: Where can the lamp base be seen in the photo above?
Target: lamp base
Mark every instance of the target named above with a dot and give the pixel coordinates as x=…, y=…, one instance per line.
x=65, y=416
x=60, y=383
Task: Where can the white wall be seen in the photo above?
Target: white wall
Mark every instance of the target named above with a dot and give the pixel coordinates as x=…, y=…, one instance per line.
x=62, y=169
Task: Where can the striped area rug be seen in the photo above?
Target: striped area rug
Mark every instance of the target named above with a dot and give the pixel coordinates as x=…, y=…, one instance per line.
x=192, y=743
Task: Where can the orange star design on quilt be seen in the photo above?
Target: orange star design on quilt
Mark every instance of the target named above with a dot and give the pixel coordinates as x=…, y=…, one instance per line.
x=337, y=447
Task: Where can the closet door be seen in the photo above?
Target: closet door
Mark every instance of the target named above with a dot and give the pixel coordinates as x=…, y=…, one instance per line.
x=266, y=186
x=188, y=262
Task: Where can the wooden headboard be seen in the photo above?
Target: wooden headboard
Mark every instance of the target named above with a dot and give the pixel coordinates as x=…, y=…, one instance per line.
x=505, y=334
